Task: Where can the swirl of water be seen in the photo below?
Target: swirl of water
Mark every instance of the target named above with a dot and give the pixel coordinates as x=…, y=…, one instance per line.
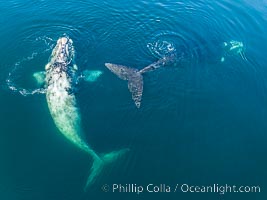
x=161, y=48
x=16, y=75
x=166, y=43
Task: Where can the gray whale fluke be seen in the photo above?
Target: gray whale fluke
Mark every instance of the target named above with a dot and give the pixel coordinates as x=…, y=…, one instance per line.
x=135, y=76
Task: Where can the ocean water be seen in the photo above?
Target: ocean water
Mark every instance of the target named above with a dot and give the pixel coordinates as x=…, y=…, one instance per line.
x=201, y=121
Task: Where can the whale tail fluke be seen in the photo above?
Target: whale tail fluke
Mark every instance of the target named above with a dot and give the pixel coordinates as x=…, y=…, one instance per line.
x=134, y=78
x=100, y=163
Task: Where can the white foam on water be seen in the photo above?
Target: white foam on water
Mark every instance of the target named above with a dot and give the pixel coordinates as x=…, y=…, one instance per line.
x=14, y=75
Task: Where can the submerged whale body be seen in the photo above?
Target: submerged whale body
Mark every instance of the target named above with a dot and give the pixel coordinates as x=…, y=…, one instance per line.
x=60, y=79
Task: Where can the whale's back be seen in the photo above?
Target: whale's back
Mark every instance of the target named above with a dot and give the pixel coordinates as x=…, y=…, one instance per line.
x=62, y=106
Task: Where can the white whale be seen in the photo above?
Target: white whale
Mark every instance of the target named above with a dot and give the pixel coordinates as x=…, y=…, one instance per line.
x=60, y=79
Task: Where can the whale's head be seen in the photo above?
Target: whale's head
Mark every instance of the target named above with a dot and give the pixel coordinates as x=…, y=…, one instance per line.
x=63, y=51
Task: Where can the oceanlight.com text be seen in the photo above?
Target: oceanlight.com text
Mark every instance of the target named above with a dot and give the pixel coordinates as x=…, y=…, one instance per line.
x=180, y=188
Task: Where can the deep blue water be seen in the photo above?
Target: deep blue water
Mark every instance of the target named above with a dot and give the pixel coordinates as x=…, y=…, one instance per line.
x=201, y=122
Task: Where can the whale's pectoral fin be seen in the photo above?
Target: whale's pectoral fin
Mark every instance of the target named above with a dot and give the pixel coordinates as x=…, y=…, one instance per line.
x=134, y=78
x=91, y=75
x=39, y=77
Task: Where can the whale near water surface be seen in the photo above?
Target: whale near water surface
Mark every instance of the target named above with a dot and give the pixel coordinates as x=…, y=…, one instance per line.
x=61, y=77
x=135, y=76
